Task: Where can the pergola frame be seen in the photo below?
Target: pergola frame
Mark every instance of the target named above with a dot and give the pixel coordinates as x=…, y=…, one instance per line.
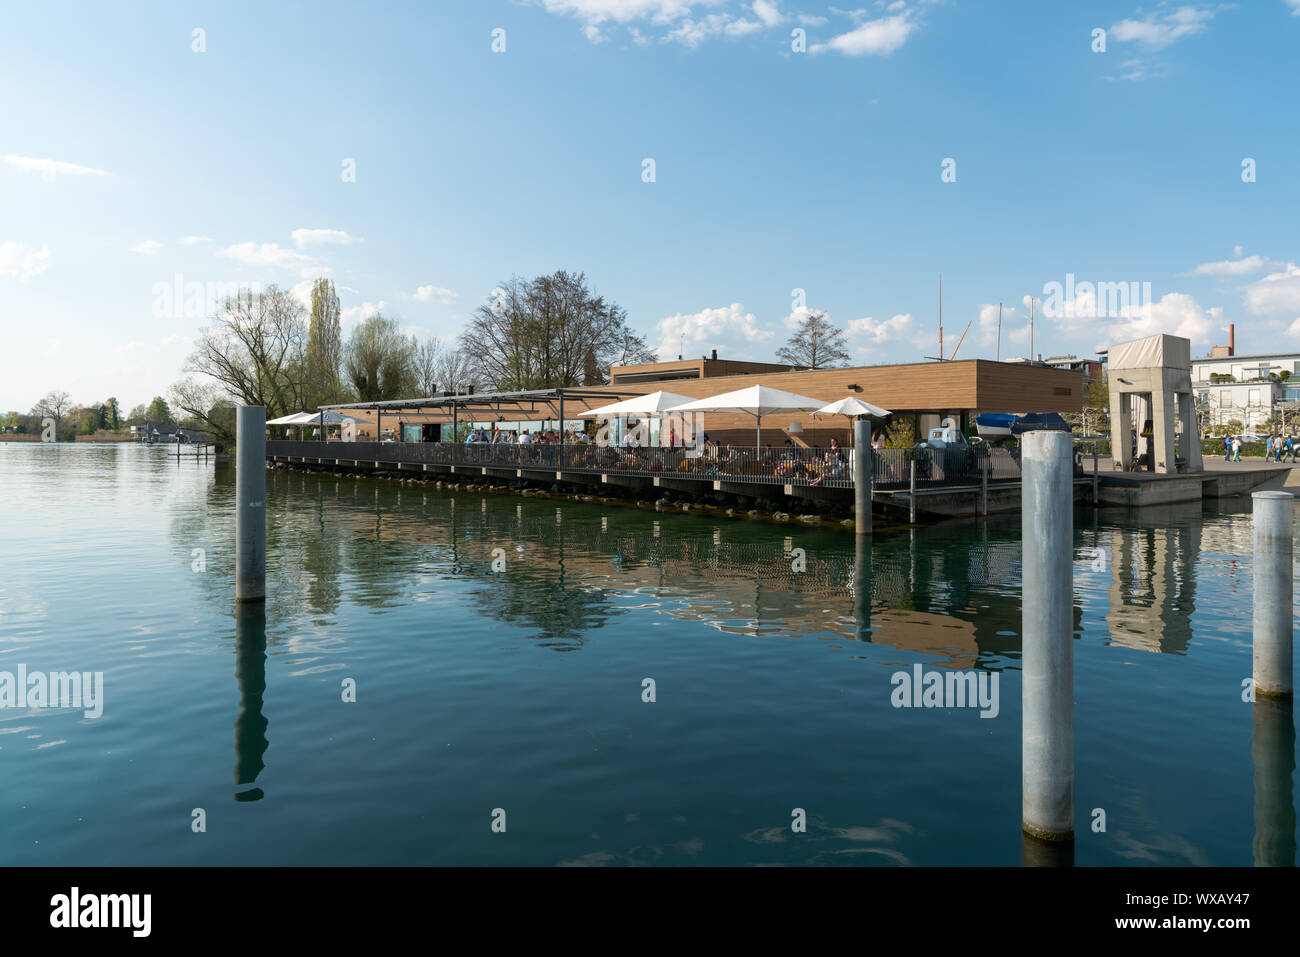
x=484, y=400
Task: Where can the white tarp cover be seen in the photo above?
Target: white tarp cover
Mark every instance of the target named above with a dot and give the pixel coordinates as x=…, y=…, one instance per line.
x=1170, y=352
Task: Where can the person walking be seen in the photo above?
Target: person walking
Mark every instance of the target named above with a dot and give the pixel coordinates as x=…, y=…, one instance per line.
x=1268, y=447
x=1236, y=448
x=1227, y=447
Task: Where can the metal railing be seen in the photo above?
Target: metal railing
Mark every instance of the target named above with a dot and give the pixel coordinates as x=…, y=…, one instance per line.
x=824, y=467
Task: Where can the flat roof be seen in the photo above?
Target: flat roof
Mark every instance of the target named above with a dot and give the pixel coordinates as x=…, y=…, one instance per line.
x=486, y=399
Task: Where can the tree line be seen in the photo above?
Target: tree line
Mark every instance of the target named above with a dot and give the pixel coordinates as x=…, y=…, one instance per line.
x=267, y=348
x=70, y=419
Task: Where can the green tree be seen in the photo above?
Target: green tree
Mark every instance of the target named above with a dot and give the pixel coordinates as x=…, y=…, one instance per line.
x=324, y=346
x=112, y=414
x=381, y=361
x=136, y=416
x=159, y=412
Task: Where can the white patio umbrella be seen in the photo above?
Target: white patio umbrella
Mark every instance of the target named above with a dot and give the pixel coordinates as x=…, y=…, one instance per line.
x=641, y=406
x=293, y=418
x=652, y=403
x=853, y=407
x=758, y=401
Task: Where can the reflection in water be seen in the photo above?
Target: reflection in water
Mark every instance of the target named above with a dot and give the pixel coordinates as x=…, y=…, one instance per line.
x=1038, y=853
x=862, y=587
x=1273, y=751
x=250, y=674
x=1152, y=583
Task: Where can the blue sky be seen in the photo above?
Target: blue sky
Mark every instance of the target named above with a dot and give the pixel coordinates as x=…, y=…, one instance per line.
x=128, y=159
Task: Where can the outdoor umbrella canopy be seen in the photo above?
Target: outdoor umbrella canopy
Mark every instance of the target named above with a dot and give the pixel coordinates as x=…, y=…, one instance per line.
x=758, y=401
x=308, y=418
x=652, y=403
x=852, y=406
x=294, y=418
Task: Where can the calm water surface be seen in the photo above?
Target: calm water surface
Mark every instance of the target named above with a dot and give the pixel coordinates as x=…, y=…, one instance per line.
x=521, y=689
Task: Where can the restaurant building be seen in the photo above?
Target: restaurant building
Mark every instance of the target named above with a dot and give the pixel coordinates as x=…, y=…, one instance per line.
x=920, y=394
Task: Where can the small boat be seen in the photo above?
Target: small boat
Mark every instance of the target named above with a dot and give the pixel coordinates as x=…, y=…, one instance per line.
x=1040, y=422
x=995, y=425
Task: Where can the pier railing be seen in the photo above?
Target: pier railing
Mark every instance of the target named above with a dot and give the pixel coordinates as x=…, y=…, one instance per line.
x=824, y=467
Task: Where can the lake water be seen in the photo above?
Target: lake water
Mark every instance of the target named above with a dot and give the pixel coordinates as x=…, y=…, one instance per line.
x=521, y=689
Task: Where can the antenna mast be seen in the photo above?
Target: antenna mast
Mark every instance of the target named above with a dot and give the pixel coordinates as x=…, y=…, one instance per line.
x=999, y=330
x=940, y=317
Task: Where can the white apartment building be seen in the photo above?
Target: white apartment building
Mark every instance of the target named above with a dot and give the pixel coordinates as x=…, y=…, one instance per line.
x=1251, y=396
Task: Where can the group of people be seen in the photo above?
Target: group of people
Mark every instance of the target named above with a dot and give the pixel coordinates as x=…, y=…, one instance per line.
x=495, y=436
x=1281, y=448
x=1278, y=448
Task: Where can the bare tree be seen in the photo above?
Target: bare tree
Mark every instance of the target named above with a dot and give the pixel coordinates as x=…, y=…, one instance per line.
x=427, y=358
x=380, y=360
x=815, y=344
x=54, y=405
x=254, y=353
x=546, y=332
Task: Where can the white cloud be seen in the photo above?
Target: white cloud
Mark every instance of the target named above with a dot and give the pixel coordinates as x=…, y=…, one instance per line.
x=432, y=293
x=1236, y=250
x=51, y=168
x=195, y=240
x=767, y=11
x=302, y=292
x=1278, y=292
x=811, y=21
x=316, y=272
x=1176, y=314
x=742, y=27
x=322, y=237
x=1295, y=7
x=688, y=22
x=730, y=330
x=872, y=38
x=1160, y=30
x=987, y=323
x=865, y=333
x=1236, y=267
x=147, y=248
x=692, y=33
x=266, y=254
x=22, y=262
x=353, y=314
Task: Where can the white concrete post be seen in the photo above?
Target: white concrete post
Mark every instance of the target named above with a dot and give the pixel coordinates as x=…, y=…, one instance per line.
x=862, y=476
x=250, y=503
x=1272, y=517
x=1047, y=734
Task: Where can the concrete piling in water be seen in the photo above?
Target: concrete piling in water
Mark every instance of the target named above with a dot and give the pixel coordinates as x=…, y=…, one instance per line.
x=911, y=495
x=1272, y=751
x=862, y=476
x=250, y=503
x=1271, y=518
x=1047, y=733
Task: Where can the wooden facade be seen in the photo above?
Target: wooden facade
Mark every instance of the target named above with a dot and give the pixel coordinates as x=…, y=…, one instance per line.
x=927, y=391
